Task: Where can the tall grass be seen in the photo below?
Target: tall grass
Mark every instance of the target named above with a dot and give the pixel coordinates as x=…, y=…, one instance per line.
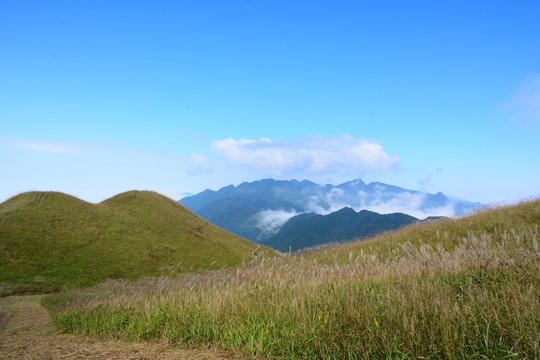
x=479, y=298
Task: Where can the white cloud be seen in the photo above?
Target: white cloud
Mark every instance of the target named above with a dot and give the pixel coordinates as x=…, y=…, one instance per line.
x=200, y=163
x=313, y=205
x=525, y=105
x=42, y=146
x=407, y=203
x=336, y=201
x=270, y=221
x=312, y=154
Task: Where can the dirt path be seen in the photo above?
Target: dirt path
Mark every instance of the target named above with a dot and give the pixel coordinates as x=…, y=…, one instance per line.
x=26, y=332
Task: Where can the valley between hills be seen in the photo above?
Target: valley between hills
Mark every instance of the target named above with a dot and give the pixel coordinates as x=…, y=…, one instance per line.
x=143, y=270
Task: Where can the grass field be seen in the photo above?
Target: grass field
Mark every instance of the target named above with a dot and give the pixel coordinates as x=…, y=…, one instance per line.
x=51, y=241
x=457, y=289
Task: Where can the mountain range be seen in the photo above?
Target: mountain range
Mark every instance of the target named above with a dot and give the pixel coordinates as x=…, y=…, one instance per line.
x=260, y=210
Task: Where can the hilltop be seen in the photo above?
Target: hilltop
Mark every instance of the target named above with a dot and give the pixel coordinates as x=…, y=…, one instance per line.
x=50, y=241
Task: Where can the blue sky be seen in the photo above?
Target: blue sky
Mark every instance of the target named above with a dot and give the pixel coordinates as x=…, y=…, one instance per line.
x=100, y=97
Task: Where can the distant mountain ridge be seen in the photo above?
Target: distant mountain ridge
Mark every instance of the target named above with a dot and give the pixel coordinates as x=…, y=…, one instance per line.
x=307, y=230
x=258, y=210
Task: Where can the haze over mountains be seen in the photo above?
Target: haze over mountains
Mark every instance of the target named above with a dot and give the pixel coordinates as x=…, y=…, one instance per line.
x=258, y=210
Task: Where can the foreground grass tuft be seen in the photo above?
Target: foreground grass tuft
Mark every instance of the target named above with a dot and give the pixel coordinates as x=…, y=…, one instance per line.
x=425, y=292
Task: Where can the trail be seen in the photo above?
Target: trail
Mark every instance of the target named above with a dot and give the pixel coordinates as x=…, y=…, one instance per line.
x=27, y=332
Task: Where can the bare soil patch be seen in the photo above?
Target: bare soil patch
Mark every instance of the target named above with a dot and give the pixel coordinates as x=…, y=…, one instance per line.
x=27, y=332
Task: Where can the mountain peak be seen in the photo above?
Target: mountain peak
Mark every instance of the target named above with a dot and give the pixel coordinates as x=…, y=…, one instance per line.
x=345, y=210
x=353, y=183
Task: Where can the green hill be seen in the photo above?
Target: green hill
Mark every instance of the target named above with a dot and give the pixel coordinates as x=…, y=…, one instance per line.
x=50, y=241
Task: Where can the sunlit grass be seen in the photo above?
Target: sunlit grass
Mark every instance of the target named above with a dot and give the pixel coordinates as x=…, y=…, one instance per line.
x=454, y=290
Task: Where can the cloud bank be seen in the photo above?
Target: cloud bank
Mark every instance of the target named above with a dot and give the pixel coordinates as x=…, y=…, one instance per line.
x=407, y=203
x=311, y=154
x=411, y=203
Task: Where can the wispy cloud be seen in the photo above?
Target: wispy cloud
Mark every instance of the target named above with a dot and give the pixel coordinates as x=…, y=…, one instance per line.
x=55, y=147
x=407, y=203
x=525, y=105
x=312, y=154
x=270, y=221
x=200, y=164
x=429, y=180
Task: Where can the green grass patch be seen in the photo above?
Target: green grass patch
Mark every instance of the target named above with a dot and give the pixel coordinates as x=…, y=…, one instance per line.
x=51, y=241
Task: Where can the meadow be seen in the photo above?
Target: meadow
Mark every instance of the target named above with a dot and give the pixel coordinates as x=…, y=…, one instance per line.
x=456, y=289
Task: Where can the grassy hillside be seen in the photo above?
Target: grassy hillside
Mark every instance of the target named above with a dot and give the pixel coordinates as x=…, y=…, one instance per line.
x=50, y=240
x=461, y=289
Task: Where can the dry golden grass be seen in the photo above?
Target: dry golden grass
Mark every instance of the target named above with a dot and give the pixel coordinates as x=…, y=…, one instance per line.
x=458, y=289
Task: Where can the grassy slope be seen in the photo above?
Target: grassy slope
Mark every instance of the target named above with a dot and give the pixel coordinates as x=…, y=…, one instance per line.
x=463, y=289
x=51, y=240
